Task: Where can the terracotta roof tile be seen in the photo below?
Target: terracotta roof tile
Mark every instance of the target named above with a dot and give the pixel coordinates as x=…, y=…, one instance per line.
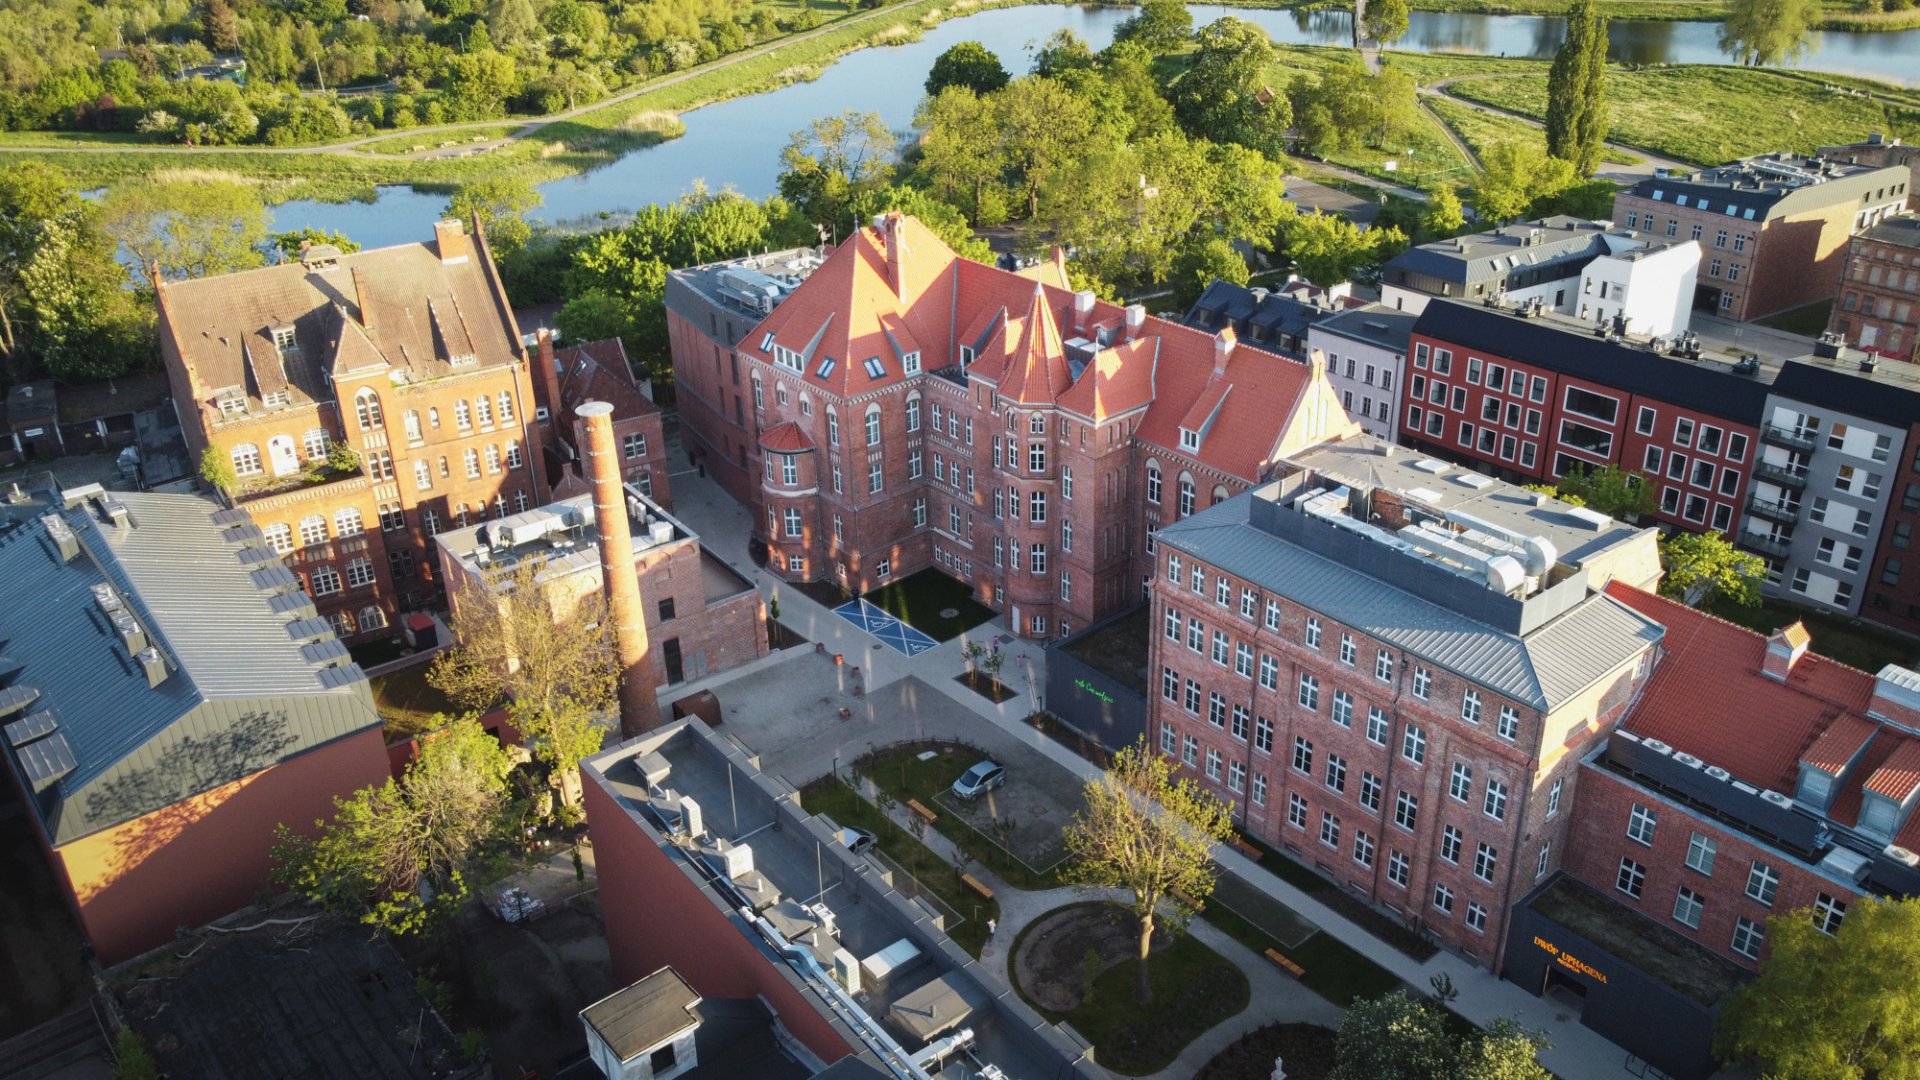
x=1837, y=746
x=1899, y=774
x=1845, y=807
x=787, y=438
x=599, y=371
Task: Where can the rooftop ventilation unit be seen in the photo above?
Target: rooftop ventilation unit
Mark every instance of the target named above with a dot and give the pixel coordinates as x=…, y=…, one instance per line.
x=64, y=542
x=1719, y=773
x=1656, y=746
x=1745, y=788
x=1901, y=855
x=1590, y=519
x=127, y=628
x=1688, y=760
x=1777, y=799
x=106, y=599
x=1540, y=554
x=113, y=510
x=151, y=663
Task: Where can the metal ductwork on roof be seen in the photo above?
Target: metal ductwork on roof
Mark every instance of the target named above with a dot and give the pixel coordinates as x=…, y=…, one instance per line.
x=61, y=534
x=153, y=664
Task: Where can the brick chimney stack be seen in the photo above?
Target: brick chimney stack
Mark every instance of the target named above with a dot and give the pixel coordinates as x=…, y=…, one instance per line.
x=549, y=383
x=1223, y=344
x=639, y=707
x=451, y=241
x=360, y=298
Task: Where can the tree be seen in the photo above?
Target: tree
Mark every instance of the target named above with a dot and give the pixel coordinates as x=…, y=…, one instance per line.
x=1576, y=91
x=1160, y=25
x=1701, y=565
x=962, y=149
x=222, y=26
x=1223, y=94
x=1840, y=1006
x=1327, y=249
x=191, y=228
x=1045, y=126
x=216, y=468
x=1762, y=32
x=1517, y=176
x=1200, y=265
x=555, y=669
x=1442, y=216
x=1398, y=1037
x=1610, y=490
x=834, y=159
x=294, y=241
x=499, y=203
x=1386, y=20
x=944, y=221
x=62, y=296
x=1147, y=832
x=969, y=64
x=394, y=855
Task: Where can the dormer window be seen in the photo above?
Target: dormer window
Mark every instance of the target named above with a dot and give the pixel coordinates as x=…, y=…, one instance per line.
x=232, y=404
x=910, y=363
x=463, y=361
x=875, y=369
x=787, y=358
x=966, y=355
x=278, y=399
x=1879, y=816
x=285, y=341
x=1189, y=439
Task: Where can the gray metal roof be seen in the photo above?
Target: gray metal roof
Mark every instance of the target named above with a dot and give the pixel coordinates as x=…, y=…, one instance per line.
x=1542, y=669
x=1375, y=324
x=240, y=694
x=1492, y=254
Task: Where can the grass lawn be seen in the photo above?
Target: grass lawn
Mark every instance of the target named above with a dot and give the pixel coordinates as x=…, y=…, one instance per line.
x=1194, y=988
x=1480, y=130
x=1379, y=924
x=1333, y=970
x=902, y=775
x=839, y=802
x=923, y=600
x=1307, y=1049
x=1853, y=642
x=1709, y=115
x=409, y=704
x=1810, y=320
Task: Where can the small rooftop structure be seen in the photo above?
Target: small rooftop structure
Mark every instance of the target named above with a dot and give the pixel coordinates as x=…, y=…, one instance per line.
x=644, y=1031
x=753, y=285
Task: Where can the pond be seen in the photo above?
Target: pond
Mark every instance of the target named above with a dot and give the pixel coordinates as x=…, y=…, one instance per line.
x=737, y=143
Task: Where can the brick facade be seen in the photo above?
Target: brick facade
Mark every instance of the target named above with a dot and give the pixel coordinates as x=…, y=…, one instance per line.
x=1876, y=306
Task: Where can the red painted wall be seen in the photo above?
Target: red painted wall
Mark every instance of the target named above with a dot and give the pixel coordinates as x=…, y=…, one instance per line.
x=655, y=917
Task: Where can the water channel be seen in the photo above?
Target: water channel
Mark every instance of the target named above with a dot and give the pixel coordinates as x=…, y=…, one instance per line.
x=738, y=142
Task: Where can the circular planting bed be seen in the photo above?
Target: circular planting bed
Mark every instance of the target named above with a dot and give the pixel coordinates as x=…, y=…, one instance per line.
x=1306, y=1050
x=1077, y=964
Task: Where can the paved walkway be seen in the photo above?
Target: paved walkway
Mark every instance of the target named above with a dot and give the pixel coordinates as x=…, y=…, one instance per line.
x=1577, y=1053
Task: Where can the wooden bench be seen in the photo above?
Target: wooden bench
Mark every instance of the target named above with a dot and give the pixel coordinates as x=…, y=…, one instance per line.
x=925, y=814
x=1240, y=845
x=1190, y=902
x=1293, y=969
x=976, y=885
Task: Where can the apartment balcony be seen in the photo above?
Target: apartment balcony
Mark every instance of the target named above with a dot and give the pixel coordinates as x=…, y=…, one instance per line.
x=1790, y=438
x=1765, y=545
x=1783, y=513
x=1780, y=474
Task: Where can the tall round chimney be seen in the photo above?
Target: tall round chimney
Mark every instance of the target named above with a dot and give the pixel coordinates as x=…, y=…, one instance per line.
x=639, y=707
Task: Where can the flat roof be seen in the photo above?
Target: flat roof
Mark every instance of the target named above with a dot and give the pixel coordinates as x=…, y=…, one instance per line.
x=1902, y=230
x=637, y=1018
x=1666, y=954
x=561, y=538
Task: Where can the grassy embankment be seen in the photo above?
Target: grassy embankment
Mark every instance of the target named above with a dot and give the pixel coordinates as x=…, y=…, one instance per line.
x=1481, y=129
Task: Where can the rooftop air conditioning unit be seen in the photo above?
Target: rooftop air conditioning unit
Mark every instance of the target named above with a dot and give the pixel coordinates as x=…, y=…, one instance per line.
x=1719, y=773
x=1902, y=856
x=1688, y=760
x=1656, y=746
x=1777, y=799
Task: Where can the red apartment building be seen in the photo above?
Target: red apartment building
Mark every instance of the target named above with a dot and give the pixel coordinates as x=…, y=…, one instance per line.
x=901, y=407
x=1390, y=667
x=408, y=356
x=1531, y=399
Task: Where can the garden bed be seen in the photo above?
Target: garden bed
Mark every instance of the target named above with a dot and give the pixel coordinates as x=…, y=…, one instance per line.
x=987, y=687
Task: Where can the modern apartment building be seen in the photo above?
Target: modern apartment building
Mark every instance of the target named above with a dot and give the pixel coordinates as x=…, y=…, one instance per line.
x=1535, y=397
x=1588, y=270
x=169, y=697
x=1365, y=350
x=908, y=408
x=702, y=616
x=1752, y=778
x=1876, y=308
x=1391, y=666
x=1772, y=229
x=408, y=357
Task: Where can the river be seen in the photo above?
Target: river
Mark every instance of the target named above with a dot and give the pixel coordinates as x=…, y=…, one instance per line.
x=737, y=143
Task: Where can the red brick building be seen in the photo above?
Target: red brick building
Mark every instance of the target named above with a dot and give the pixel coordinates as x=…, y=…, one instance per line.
x=599, y=371
x=900, y=407
x=1876, y=308
x=1772, y=229
x=169, y=697
x=1390, y=668
x=1531, y=398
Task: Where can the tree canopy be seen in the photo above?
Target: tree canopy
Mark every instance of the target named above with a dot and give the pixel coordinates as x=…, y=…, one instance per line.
x=1840, y=1006
x=1702, y=565
x=969, y=64
x=1161, y=26
x=1576, y=91
x=1399, y=1037
x=1327, y=249
x=1518, y=177
x=500, y=204
x=187, y=228
x=63, y=304
x=1223, y=95
x=1386, y=20
x=1763, y=32
x=833, y=161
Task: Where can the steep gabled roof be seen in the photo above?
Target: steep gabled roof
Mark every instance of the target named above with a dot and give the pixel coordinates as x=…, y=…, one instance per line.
x=1037, y=372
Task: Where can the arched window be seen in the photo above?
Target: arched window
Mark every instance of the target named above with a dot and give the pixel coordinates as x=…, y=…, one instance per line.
x=493, y=459
x=279, y=538
x=413, y=425
x=366, y=408
x=314, y=443
x=246, y=459
x=346, y=522
x=422, y=475
x=506, y=407
x=313, y=530
x=1153, y=482
x=833, y=428
x=1186, y=494
x=473, y=463
x=873, y=424
x=1219, y=494
x=462, y=415
x=485, y=409
x=806, y=402
x=372, y=618
x=759, y=394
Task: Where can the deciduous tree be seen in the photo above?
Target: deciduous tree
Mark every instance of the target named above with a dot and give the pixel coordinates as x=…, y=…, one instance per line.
x=1576, y=90
x=500, y=203
x=963, y=150
x=62, y=298
x=1200, y=265
x=1045, y=127
x=834, y=159
x=1223, y=95
x=1762, y=32
x=1611, y=490
x=1386, y=20
x=1442, y=216
x=1701, y=565
x=1152, y=834
x=1327, y=249
x=1160, y=25
x=969, y=64
x=1398, y=1037
x=1517, y=176
x=191, y=228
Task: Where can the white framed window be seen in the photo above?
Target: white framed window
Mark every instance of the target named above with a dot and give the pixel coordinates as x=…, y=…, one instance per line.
x=1687, y=906
x=359, y=572
x=1476, y=918
x=1470, y=706
x=1422, y=682
x=1700, y=853
x=1362, y=848
x=1494, y=804
x=326, y=580
x=313, y=530
x=347, y=522
x=1485, y=861
x=1631, y=879
x=279, y=537
x=1748, y=937
x=246, y=459
x=1313, y=632
x=1296, y=811
x=1259, y=789
x=1451, y=841
x=1828, y=913
x=1309, y=692
x=1762, y=882
x=1406, y=811
x=1460, y=784
x=1640, y=825
x=1509, y=728
x=1553, y=798
x=1545, y=860
x=1370, y=790
x=1376, y=725
x=1443, y=899
x=1413, y=744
x=1398, y=866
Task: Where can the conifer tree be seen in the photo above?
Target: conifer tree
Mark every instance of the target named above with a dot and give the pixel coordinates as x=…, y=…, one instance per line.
x=1576, y=90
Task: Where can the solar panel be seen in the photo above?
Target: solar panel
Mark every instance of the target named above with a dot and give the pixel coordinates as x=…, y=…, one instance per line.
x=309, y=629
x=15, y=698
x=47, y=761
x=21, y=732
x=324, y=652
x=341, y=675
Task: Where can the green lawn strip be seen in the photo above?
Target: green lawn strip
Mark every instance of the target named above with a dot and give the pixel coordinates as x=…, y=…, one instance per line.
x=902, y=775
x=409, y=704
x=1810, y=319
x=1710, y=115
x=1850, y=641
x=1481, y=129
x=1333, y=970
x=1194, y=988
x=839, y=802
x=920, y=600
x=1325, y=891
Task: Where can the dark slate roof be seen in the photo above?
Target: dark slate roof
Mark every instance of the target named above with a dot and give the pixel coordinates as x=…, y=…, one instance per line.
x=1375, y=324
x=1706, y=387
x=1277, y=314
x=1769, y=185
x=1483, y=256
x=1890, y=393
x=644, y=1015
x=1902, y=230
x=244, y=690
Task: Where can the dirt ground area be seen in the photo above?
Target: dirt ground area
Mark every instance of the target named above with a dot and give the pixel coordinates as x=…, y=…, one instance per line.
x=524, y=985
x=1066, y=950
x=42, y=972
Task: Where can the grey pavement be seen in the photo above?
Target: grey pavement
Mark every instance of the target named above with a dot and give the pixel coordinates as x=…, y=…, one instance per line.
x=1310, y=195
x=768, y=698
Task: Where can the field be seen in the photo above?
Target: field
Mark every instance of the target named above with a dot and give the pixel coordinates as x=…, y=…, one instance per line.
x=1481, y=129
x=1708, y=115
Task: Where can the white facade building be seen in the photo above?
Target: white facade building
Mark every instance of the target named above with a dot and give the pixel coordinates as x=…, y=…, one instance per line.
x=1365, y=351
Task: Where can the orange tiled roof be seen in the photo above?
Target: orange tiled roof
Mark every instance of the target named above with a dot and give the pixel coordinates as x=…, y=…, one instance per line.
x=787, y=438
x=1709, y=698
x=1899, y=774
